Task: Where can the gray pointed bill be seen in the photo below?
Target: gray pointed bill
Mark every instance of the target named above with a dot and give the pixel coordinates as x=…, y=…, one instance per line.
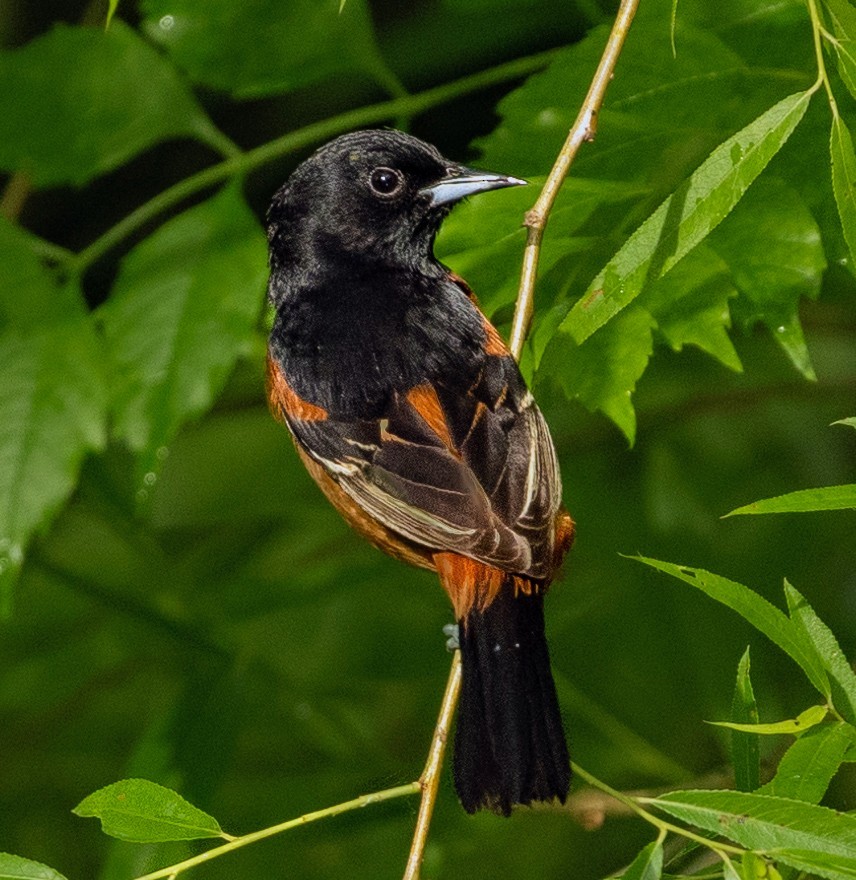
x=463, y=182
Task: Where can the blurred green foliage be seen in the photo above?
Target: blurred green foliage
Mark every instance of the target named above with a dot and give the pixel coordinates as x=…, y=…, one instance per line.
x=182, y=604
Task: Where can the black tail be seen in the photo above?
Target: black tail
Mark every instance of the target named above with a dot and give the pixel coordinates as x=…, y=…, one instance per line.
x=509, y=744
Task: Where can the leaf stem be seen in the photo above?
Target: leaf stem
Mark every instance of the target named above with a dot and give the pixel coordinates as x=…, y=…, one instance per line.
x=47, y=250
x=818, y=31
x=14, y=195
x=172, y=871
x=430, y=779
x=221, y=142
x=635, y=804
x=583, y=129
x=241, y=163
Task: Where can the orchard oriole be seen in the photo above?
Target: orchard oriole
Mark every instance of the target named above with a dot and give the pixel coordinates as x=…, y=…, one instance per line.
x=409, y=412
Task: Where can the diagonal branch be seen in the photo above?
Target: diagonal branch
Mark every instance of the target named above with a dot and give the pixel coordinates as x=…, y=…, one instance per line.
x=430, y=778
x=584, y=129
x=172, y=871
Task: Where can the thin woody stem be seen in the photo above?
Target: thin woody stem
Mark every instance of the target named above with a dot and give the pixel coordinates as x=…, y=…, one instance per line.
x=234, y=843
x=430, y=779
x=584, y=129
x=536, y=220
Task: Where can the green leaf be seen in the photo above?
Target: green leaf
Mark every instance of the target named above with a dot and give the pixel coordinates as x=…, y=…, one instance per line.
x=648, y=865
x=851, y=422
x=772, y=246
x=183, y=310
x=756, y=868
x=803, y=722
x=745, y=749
x=807, y=768
x=690, y=305
x=804, y=500
x=52, y=398
x=132, y=100
x=686, y=217
x=112, y=6
x=263, y=47
x=729, y=872
x=844, y=180
x=18, y=868
x=756, y=610
x=28, y=292
x=820, y=640
x=483, y=239
x=145, y=812
x=843, y=18
x=657, y=106
x=821, y=864
x=602, y=372
x=786, y=830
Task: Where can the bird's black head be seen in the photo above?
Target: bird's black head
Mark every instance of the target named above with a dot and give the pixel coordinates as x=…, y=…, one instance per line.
x=364, y=199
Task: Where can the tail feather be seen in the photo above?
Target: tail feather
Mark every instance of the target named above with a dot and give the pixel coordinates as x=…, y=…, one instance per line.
x=510, y=743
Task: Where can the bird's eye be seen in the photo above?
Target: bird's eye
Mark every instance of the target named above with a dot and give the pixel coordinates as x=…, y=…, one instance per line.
x=386, y=181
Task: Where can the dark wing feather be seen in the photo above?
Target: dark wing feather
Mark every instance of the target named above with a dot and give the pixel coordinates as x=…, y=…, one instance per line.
x=475, y=475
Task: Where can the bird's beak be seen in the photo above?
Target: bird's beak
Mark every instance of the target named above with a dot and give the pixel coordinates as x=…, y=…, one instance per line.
x=461, y=182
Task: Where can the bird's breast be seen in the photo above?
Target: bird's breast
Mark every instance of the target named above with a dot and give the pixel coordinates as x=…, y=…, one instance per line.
x=349, y=354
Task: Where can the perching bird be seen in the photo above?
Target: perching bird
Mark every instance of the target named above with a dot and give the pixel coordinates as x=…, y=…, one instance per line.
x=409, y=412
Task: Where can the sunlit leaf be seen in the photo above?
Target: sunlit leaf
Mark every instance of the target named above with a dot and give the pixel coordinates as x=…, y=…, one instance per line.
x=804, y=500
x=851, y=422
x=603, y=371
x=183, y=310
x=745, y=750
x=690, y=305
x=112, y=6
x=132, y=99
x=729, y=872
x=648, y=865
x=820, y=864
x=803, y=722
x=754, y=867
x=658, y=105
x=821, y=641
x=145, y=812
x=843, y=18
x=773, y=249
x=790, y=831
x=483, y=239
x=661, y=118
x=686, y=217
x=17, y=868
x=844, y=180
x=807, y=768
